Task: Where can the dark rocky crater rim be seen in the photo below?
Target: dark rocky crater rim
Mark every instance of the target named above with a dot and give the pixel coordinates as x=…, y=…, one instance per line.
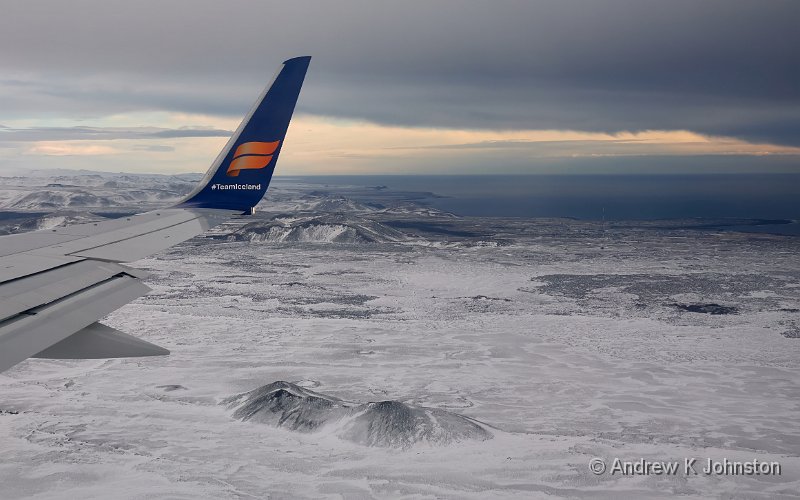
x=390, y=424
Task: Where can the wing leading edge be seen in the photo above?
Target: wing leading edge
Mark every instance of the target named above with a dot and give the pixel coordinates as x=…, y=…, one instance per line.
x=56, y=284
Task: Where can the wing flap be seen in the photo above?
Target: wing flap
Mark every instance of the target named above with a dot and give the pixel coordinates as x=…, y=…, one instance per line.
x=34, y=330
x=98, y=341
x=27, y=293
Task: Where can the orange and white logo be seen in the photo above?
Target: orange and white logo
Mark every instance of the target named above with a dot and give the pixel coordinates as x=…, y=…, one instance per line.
x=252, y=155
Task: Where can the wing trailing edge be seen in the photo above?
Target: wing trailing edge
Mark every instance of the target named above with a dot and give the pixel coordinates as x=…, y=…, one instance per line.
x=98, y=341
x=34, y=330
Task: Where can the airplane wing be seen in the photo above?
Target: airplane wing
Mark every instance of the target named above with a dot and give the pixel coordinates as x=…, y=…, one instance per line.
x=56, y=284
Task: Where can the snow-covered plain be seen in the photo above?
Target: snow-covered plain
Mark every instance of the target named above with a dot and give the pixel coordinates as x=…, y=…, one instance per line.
x=566, y=340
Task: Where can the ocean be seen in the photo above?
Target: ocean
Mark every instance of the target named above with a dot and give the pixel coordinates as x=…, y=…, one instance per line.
x=771, y=200
x=614, y=197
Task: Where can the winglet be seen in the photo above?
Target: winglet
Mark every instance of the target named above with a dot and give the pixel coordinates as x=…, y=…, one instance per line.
x=240, y=175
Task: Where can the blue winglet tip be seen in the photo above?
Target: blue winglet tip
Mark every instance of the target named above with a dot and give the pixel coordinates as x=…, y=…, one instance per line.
x=297, y=59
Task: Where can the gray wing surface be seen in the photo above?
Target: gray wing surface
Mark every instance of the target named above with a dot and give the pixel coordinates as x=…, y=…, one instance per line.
x=55, y=284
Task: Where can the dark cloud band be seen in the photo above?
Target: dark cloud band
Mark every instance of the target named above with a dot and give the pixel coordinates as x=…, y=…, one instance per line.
x=720, y=67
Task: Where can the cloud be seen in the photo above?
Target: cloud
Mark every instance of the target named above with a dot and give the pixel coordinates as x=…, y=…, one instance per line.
x=34, y=134
x=70, y=149
x=156, y=148
x=190, y=132
x=321, y=145
x=717, y=68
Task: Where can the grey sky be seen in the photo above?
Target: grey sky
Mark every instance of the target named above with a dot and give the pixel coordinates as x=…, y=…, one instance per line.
x=718, y=67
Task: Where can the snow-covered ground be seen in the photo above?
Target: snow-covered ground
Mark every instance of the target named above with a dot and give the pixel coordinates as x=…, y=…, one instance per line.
x=562, y=341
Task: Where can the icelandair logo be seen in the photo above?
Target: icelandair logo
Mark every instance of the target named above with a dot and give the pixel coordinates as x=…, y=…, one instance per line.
x=252, y=155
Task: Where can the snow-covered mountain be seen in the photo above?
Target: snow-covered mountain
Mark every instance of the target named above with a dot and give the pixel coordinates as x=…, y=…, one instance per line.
x=91, y=190
x=325, y=228
x=55, y=219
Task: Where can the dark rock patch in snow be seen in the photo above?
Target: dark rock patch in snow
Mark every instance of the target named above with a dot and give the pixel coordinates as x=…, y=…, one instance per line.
x=423, y=228
x=707, y=308
x=171, y=387
x=484, y=297
x=792, y=329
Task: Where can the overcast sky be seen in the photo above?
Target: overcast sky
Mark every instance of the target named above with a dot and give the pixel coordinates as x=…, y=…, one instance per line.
x=435, y=87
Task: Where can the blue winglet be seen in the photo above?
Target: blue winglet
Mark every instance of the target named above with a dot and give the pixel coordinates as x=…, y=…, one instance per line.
x=239, y=177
